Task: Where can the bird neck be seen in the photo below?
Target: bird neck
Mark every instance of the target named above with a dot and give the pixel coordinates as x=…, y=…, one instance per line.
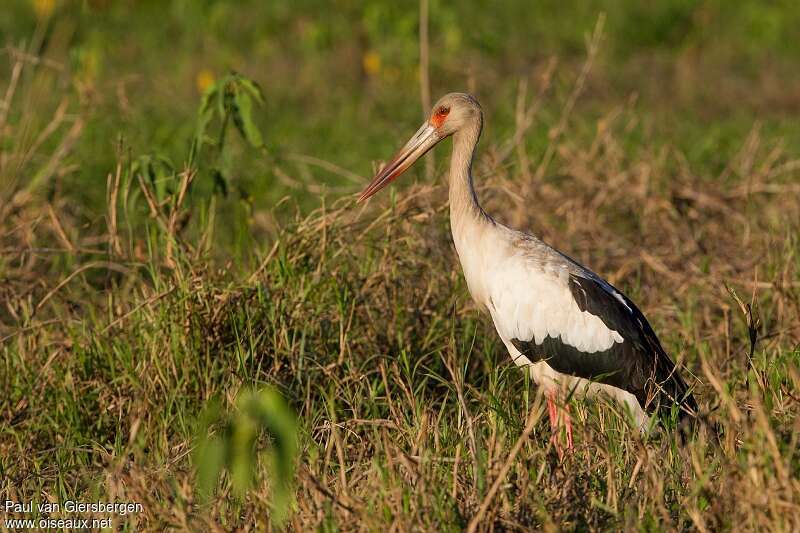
x=464, y=206
x=469, y=223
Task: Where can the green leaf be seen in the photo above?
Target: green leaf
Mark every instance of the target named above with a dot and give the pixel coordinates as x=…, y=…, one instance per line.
x=253, y=88
x=272, y=412
x=241, y=455
x=205, y=114
x=243, y=119
x=235, y=448
x=209, y=461
x=206, y=103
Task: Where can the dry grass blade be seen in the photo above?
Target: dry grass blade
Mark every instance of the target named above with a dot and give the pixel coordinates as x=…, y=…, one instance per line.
x=753, y=324
x=112, y=195
x=83, y=268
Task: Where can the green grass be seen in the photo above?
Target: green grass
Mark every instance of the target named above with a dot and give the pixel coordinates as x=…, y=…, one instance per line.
x=128, y=310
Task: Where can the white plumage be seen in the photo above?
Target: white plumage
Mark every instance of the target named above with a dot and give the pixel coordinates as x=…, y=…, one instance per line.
x=523, y=285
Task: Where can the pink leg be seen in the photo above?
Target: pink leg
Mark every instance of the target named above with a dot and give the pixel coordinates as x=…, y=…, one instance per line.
x=556, y=420
x=552, y=410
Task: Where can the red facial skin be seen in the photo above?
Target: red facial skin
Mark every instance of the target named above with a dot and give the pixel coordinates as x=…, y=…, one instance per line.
x=438, y=118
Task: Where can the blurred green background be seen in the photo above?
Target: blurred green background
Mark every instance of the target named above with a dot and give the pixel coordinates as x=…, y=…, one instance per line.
x=341, y=78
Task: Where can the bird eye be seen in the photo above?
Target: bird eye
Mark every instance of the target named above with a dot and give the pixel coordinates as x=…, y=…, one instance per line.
x=439, y=116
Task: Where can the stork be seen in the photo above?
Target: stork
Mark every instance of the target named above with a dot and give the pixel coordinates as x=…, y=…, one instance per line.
x=574, y=332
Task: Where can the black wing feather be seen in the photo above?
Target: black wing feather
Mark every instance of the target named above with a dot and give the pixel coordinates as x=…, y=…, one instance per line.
x=638, y=365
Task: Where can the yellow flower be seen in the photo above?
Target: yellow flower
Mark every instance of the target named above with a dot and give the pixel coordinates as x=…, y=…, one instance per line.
x=43, y=8
x=371, y=63
x=205, y=79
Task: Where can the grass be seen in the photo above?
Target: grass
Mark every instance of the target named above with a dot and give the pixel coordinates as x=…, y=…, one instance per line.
x=133, y=303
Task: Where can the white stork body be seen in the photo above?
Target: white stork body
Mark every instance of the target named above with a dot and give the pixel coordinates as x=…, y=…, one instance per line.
x=563, y=322
x=523, y=284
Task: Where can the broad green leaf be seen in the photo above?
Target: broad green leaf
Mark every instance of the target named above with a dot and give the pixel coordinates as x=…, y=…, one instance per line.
x=241, y=453
x=243, y=119
x=253, y=88
x=209, y=460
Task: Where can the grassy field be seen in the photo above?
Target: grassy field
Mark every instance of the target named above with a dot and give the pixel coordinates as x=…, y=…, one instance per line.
x=195, y=315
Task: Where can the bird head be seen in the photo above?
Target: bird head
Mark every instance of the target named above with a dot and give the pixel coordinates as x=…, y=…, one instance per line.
x=449, y=115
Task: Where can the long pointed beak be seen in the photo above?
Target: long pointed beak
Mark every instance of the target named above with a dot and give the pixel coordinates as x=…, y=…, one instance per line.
x=422, y=141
